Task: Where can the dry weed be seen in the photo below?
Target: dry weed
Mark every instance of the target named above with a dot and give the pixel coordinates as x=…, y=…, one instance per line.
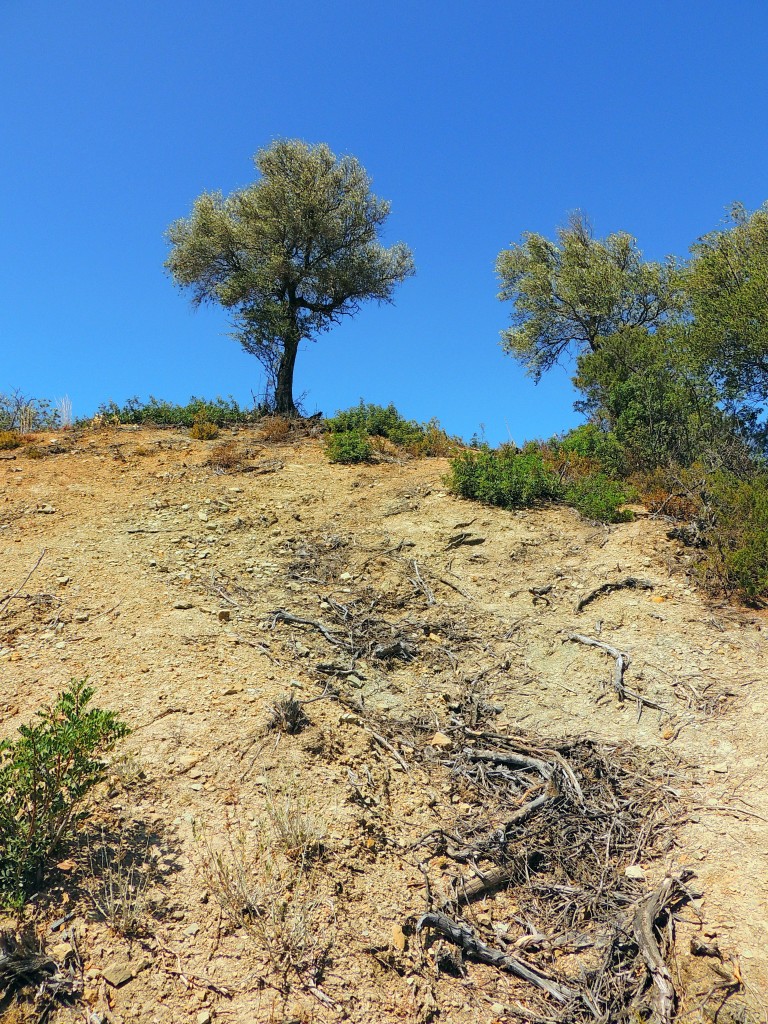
x=227, y=458
x=119, y=885
x=261, y=878
x=274, y=428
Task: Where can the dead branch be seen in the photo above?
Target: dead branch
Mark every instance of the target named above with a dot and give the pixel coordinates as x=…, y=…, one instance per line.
x=419, y=583
x=282, y=616
x=622, y=660
x=463, y=538
x=16, y=593
x=462, y=937
x=657, y=904
x=630, y=582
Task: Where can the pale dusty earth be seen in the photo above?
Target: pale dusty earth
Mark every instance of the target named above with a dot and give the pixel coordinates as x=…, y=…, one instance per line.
x=159, y=579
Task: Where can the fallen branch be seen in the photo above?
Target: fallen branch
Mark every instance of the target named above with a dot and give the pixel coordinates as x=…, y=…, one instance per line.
x=630, y=582
x=283, y=616
x=622, y=664
x=651, y=907
x=419, y=583
x=16, y=593
x=462, y=937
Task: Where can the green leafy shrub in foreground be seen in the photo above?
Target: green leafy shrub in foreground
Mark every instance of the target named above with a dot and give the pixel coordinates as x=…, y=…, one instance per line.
x=505, y=477
x=349, y=446
x=45, y=776
x=518, y=478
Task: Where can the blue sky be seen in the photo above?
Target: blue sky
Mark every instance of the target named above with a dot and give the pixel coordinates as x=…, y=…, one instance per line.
x=477, y=120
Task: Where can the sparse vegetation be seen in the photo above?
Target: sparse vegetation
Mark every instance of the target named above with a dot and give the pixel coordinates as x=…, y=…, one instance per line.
x=349, y=446
x=20, y=413
x=9, y=439
x=118, y=884
x=45, y=776
x=203, y=430
x=222, y=412
x=261, y=879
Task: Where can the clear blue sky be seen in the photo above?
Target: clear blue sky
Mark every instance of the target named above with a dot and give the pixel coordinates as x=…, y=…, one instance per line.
x=477, y=120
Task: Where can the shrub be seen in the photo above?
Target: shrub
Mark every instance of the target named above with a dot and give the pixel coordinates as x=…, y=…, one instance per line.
x=156, y=411
x=421, y=439
x=507, y=477
x=45, y=776
x=349, y=446
x=203, y=430
x=600, y=498
x=734, y=526
x=24, y=415
x=9, y=439
x=274, y=428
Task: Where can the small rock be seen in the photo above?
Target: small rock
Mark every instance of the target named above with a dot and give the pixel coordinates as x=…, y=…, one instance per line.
x=62, y=580
x=119, y=972
x=399, y=940
x=46, y=510
x=204, y=1017
x=202, y=516
x=192, y=930
x=183, y=605
x=196, y=786
x=440, y=740
x=230, y=690
x=346, y=576
x=81, y=616
x=634, y=871
x=223, y=614
x=721, y=769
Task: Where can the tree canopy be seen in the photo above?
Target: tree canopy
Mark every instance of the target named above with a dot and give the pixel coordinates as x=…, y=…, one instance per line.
x=727, y=282
x=570, y=294
x=290, y=254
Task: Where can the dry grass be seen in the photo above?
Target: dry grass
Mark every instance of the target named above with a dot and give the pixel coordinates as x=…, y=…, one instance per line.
x=119, y=883
x=262, y=878
x=9, y=439
x=274, y=428
x=227, y=458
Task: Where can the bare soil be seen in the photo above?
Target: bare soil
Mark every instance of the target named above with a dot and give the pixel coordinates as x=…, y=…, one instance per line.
x=172, y=577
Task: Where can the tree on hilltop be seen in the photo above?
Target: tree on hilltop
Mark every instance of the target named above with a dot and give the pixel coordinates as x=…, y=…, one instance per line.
x=290, y=254
x=573, y=293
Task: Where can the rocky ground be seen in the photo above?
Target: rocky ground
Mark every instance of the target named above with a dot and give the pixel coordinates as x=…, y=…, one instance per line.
x=312, y=659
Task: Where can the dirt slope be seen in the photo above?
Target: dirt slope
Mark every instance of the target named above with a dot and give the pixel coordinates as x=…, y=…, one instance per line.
x=161, y=580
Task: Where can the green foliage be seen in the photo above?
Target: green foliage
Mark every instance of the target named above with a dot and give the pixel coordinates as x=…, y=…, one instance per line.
x=155, y=411
x=599, y=497
x=593, y=446
x=349, y=446
x=507, y=477
x=733, y=519
x=727, y=283
x=385, y=421
x=45, y=776
x=571, y=294
x=290, y=254
x=24, y=415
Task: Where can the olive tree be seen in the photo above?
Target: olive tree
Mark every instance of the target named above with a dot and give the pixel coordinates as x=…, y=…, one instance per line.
x=290, y=254
x=570, y=294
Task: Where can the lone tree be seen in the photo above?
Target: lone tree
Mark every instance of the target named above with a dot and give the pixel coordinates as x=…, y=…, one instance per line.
x=290, y=254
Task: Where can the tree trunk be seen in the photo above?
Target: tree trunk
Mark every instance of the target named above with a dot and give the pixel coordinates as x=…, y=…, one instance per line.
x=284, y=404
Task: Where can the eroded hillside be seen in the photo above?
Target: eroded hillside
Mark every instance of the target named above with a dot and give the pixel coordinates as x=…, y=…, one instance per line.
x=356, y=700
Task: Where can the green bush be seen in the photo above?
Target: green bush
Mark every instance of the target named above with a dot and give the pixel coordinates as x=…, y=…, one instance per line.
x=26, y=415
x=507, y=477
x=589, y=443
x=45, y=776
x=385, y=421
x=600, y=498
x=733, y=523
x=349, y=446
x=155, y=411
